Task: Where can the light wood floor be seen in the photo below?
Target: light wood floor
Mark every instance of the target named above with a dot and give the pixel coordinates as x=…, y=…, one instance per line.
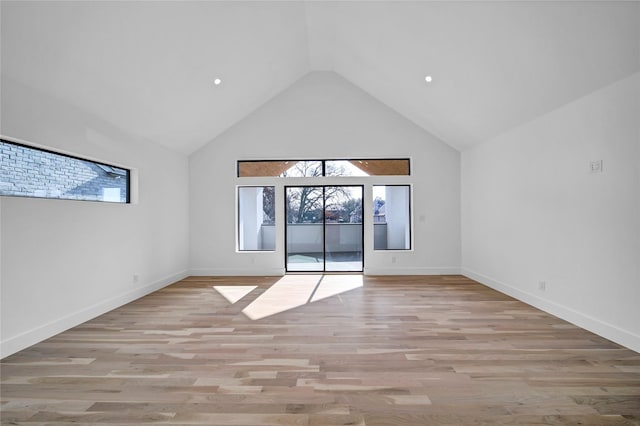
x=393, y=351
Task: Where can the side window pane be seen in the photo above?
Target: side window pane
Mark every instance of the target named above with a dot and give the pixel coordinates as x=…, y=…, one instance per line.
x=32, y=172
x=391, y=217
x=256, y=218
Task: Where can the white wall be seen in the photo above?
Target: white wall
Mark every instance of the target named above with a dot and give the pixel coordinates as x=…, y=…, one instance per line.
x=533, y=212
x=323, y=116
x=64, y=262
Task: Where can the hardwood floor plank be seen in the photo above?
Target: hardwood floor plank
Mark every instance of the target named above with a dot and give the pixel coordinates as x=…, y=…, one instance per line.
x=404, y=350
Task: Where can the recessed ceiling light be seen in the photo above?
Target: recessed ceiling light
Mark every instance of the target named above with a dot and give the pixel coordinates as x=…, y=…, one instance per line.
x=428, y=79
x=217, y=81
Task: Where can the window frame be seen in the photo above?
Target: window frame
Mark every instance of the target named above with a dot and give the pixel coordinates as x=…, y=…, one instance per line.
x=409, y=222
x=324, y=166
x=127, y=176
x=239, y=212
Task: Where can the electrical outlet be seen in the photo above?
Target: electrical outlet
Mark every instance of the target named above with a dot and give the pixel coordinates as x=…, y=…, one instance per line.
x=393, y=259
x=136, y=278
x=542, y=285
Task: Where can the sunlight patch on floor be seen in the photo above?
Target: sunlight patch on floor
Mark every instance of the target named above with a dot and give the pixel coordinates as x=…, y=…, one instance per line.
x=233, y=293
x=332, y=285
x=290, y=291
x=287, y=293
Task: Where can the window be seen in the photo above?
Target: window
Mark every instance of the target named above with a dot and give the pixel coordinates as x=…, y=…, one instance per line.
x=385, y=167
x=34, y=172
x=256, y=218
x=391, y=217
x=302, y=169
x=314, y=168
x=343, y=168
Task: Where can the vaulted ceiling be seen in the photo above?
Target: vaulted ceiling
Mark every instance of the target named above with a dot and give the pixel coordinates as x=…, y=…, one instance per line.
x=149, y=67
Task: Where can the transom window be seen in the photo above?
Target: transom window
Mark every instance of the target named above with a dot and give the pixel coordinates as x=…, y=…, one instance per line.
x=33, y=172
x=317, y=168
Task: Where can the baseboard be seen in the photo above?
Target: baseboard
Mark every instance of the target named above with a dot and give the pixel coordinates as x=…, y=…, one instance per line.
x=31, y=337
x=403, y=270
x=608, y=331
x=276, y=272
x=238, y=272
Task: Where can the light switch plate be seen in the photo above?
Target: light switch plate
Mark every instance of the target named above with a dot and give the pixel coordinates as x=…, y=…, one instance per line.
x=595, y=166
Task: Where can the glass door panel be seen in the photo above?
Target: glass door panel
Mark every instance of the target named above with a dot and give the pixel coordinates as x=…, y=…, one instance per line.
x=304, y=230
x=324, y=228
x=343, y=228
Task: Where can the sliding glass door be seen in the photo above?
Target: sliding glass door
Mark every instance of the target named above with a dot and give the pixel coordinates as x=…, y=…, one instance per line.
x=304, y=231
x=343, y=228
x=324, y=228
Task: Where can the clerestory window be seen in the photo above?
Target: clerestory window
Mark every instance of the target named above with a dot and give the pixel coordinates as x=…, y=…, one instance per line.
x=317, y=168
x=33, y=172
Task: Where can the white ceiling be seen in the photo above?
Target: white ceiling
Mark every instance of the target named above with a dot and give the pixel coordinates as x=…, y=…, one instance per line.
x=148, y=67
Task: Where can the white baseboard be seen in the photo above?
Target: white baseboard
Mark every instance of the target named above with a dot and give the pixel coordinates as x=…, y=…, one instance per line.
x=244, y=272
x=403, y=270
x=38, y=334
x=267, y=272
x=608, y=331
